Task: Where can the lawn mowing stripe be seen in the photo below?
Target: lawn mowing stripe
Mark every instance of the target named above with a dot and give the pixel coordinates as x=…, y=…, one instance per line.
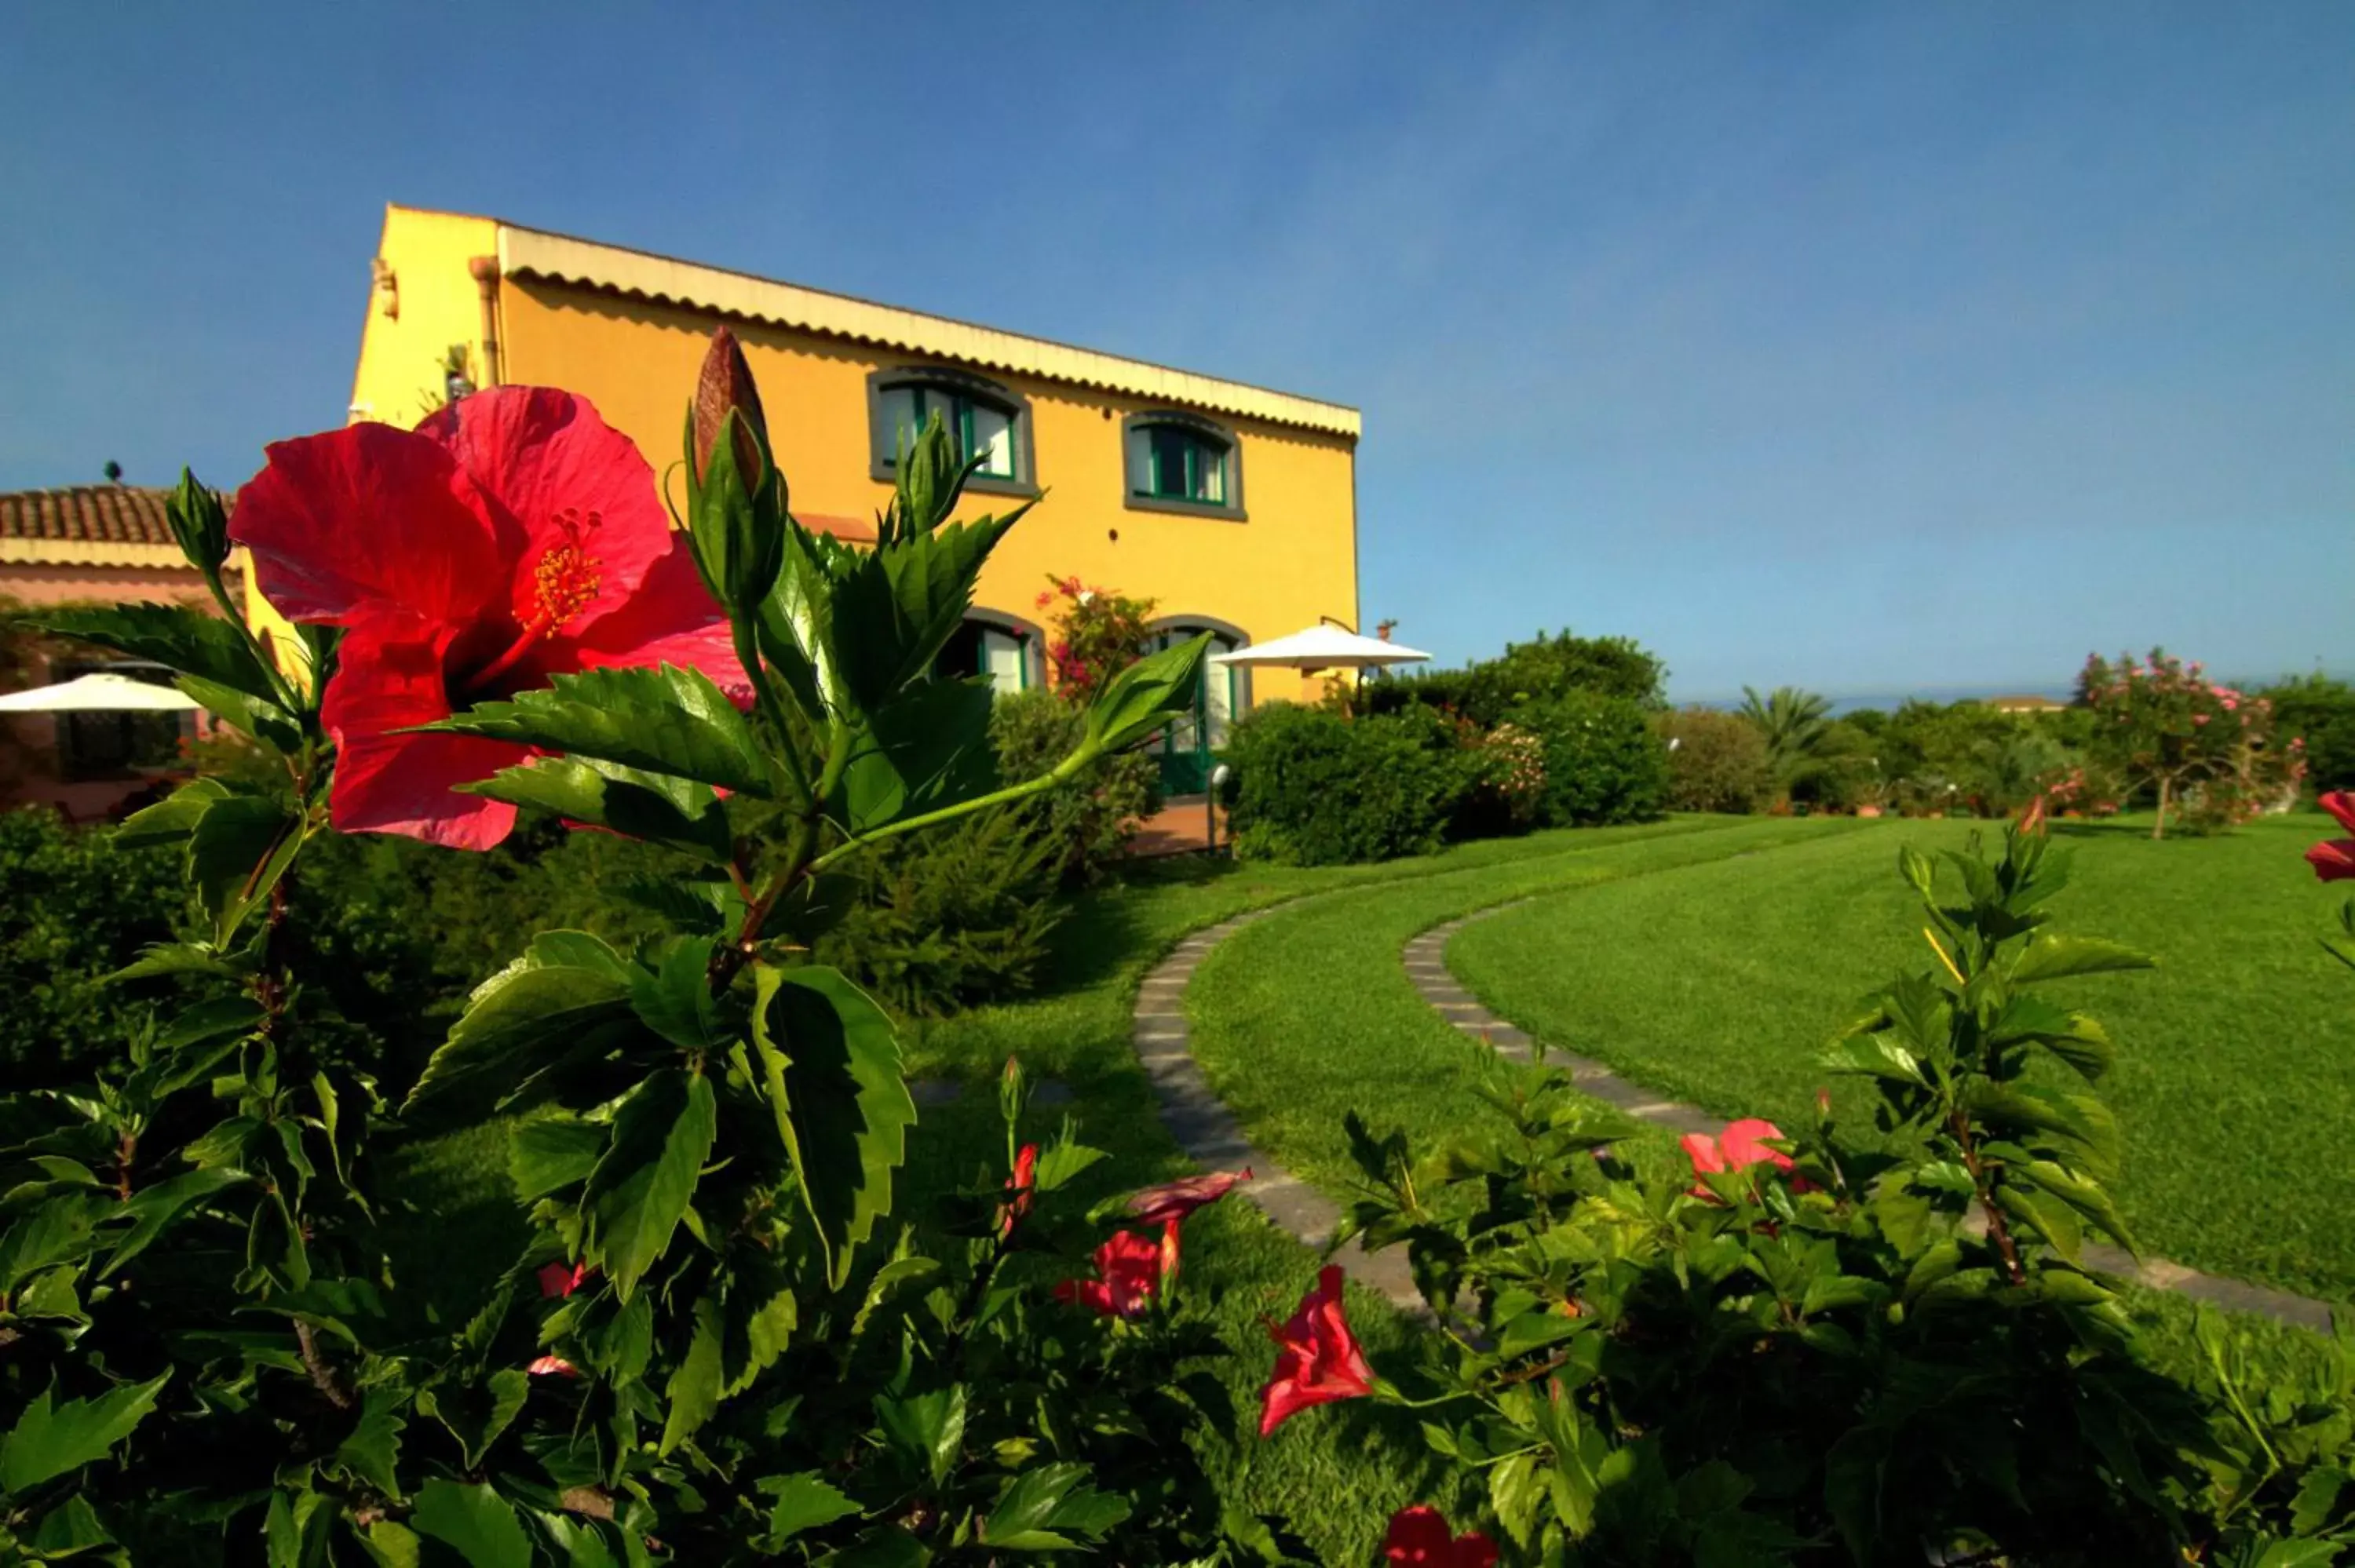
x=1211, y=1137
x=1207, y=1131
x=1645, y=1105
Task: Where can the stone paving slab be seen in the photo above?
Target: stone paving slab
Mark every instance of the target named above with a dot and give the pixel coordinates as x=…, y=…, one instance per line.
x=1427, y=951
x=1211, y=1137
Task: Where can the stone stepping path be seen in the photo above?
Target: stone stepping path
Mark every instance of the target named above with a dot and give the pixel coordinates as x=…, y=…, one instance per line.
x=1426, y=966
x=1211, y=1137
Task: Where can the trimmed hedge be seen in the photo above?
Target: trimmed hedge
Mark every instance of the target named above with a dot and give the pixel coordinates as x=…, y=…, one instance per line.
x=1313, y=787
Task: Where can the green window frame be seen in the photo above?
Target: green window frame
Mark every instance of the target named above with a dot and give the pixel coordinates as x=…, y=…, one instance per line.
x=983, y=428
x=1182, y=464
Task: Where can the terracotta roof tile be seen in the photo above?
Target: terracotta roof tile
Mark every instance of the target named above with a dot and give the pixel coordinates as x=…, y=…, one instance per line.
x=87, y=513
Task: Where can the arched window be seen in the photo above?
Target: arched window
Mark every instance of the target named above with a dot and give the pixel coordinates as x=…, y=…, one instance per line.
x=984, y=419
x=1188, y=747
x=1005, y=647
x=1183, y=462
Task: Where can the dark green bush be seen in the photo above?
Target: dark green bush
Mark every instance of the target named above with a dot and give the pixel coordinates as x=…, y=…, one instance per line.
x=1089, y=822
x=951, y=918
x=77, y=908
x=1314, y=787
x=1719, y=763
x=1550, y=665
x=1602, y=762
x=2320, y=712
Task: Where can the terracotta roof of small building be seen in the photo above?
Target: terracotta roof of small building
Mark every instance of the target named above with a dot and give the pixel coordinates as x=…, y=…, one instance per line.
x=87, y=513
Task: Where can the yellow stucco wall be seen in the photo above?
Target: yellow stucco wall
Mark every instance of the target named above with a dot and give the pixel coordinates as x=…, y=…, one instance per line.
x=1294, y=560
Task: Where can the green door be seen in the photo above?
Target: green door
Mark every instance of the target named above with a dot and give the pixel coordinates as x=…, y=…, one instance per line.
x=1187, y=746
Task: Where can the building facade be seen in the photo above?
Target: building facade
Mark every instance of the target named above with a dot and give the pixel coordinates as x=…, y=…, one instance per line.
x=1233, y=508
x=94, y=543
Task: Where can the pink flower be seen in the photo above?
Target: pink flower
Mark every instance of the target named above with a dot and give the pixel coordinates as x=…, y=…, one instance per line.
x=511, y=536
x=1317, y=1357
x=1173, y=1201
x=1128, y=1271
x=1022, y=1183
x=553, y=1366
x=1419, y=1537
x=2334, y=859
x=1738, y=1147
x=558, y=1280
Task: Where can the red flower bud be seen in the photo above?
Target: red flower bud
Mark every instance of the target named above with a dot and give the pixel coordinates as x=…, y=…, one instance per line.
x=726, y=384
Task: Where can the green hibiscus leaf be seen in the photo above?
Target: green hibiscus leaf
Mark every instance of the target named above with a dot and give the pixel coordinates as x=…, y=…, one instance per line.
x=665, y=720
x=641, y=1187
x=475, y=1521
x=567, y=995
x=830, y=1060
x=51, y=1439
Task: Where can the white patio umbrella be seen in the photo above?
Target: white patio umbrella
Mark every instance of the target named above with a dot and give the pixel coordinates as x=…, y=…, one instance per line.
x=98, y=692
x=1322, y=647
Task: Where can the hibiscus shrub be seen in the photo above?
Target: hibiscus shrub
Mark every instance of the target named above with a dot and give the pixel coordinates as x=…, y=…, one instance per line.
x=720, y=1342
x=1827, y=1349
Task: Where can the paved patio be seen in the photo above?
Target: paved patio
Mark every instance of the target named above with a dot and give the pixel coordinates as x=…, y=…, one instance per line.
x=1180, y=827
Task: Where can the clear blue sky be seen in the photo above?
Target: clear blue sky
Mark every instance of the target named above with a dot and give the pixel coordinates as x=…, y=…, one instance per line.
x=1862, y=347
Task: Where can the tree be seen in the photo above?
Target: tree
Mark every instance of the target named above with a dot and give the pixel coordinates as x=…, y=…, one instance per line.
x=2164, y=725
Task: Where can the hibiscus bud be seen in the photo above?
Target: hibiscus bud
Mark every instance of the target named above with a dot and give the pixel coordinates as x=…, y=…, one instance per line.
x=726, y=387
x=198, y=522
x=736, y=498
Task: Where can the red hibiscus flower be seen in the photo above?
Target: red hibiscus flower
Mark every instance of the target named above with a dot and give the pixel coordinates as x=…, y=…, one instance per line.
x=1318, y=1360
x=553, y=1366
x=1419, y=1535
x=558, y=1280
x=1022, y=1183
x=511, y=536
x=1740, y=1146
x=2334, y=859
x=1173, y=1201
x=1128, y=1271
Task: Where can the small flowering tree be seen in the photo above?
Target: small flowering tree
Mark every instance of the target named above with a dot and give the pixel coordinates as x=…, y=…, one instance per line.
x=2195, y=744
x=1098, y=633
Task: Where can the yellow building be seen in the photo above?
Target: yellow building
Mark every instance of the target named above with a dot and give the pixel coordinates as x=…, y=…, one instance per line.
x=1231, y=508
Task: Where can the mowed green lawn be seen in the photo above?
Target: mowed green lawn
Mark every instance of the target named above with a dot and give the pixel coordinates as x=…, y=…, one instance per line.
x=1720, y=982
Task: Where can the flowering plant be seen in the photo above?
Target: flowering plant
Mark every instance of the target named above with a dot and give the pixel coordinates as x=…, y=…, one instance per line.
x=1097, y=634
x=2205, y=751
x=721, y=1341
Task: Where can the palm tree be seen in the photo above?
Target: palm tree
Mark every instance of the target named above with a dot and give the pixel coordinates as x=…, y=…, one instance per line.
x=1793, y=723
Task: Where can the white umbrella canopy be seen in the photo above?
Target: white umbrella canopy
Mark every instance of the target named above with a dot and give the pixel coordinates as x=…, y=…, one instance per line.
x=1322, y=648
x=98, y=692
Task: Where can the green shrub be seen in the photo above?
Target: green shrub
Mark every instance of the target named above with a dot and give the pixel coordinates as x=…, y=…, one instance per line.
x=952, y=919
x=1718, y=762
x=2320, y=713
x=1550, y=665
x=1602, y=762
x=78, y=908
x=1089, y=824
x=1314, y=787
